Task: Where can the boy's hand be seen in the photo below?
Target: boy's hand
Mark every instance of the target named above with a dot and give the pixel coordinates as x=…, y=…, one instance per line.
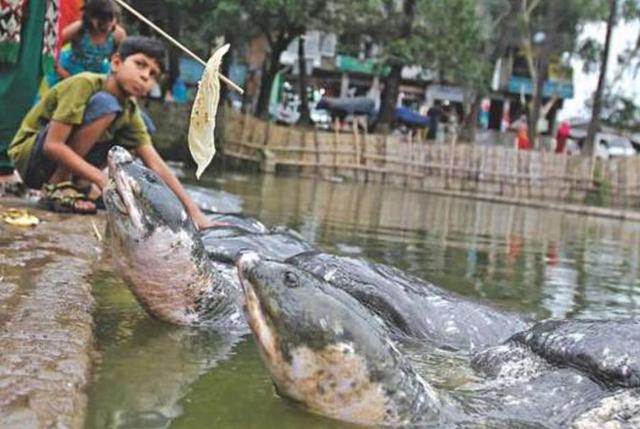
x=96, y=188
x=103, y=182
x=202, y=222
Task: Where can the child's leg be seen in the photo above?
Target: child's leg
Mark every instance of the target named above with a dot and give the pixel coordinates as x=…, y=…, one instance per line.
x=41, y=170
x=99, y=115
x=81, y=142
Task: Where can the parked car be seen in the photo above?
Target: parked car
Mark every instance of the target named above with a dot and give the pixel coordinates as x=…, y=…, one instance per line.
x=613, y=145
x=290, y=114
x=608, y=145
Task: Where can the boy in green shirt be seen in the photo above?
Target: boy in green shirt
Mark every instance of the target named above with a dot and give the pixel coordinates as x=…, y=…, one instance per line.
x=70, y=131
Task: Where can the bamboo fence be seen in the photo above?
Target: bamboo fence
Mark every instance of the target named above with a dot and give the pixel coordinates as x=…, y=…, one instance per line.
x=418, y=164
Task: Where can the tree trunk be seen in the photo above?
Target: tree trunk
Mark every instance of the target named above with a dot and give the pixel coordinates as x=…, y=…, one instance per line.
x=536, y=103
x=269, y=73
x=594, y=125
x=389, y=99
x=305, y=114
x=392, y=83
x=542, y=72
x=225, y=67
x=468, y=131
x=173, y=28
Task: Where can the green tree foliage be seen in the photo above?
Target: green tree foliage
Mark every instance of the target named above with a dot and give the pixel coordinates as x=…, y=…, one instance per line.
x=456, y=42
x=203, y=22
x=450, y=43
x=443, y=37
x=549, y=29
x=594, y=124
x=280, y=22
x=618, y=109
x=195, y=23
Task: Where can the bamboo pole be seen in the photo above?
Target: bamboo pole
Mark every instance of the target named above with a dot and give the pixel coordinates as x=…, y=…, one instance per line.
x=144, y=19
x=243, y=132
x=335, y=145
x=356, y=144
x=317, y=154
x=452, y=154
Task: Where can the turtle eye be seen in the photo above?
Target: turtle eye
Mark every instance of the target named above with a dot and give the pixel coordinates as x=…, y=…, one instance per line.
x=291, y=279
x=150, y=177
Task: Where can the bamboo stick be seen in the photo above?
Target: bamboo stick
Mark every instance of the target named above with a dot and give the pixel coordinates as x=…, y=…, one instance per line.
x=315, y=146
x=144, y=19
x=335, y=143
x=356, y=143
x=452, y=155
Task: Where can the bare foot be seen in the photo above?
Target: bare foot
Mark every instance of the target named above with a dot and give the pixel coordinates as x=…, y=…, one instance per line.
x=94, y=193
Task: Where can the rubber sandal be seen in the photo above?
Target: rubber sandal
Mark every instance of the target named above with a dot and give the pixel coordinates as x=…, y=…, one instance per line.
x=64, y=198
x=99, y=202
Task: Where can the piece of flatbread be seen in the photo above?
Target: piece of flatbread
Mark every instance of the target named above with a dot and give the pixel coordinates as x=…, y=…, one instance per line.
x=203, y=113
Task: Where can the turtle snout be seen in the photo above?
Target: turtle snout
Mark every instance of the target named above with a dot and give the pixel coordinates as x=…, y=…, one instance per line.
x=118, y=156
x=246, y=260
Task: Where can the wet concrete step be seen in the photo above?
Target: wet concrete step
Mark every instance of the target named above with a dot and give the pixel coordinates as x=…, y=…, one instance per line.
x=46, y=326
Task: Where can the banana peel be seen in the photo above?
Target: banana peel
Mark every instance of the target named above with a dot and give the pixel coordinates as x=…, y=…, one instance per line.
x=17, y=217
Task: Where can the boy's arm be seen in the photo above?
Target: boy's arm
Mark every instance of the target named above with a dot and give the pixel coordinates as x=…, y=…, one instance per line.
x=154, y=161
x=56, y=148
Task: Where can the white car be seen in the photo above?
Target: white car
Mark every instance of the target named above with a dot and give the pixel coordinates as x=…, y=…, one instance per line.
x=613, y=145
x=608, y=146
x=291, y=114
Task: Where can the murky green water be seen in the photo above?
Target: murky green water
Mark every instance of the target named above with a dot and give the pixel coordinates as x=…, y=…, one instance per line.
x=541, y=263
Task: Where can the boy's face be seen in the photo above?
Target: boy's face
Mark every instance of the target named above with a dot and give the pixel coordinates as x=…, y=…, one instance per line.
x=136, y=75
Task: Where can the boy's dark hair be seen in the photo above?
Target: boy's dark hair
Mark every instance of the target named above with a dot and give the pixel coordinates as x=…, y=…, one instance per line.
x=102, y=10
x=143, y=45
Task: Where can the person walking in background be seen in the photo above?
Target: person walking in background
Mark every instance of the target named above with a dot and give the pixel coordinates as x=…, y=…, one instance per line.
x=563, y=133
x=522, y=133
x=93, y=40
x=434, y=114
x=522, y=138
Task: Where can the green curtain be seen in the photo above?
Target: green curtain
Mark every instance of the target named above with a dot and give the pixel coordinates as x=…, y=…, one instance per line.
x=19, y=82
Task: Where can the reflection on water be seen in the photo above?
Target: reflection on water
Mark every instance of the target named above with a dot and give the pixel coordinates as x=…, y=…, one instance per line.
x=542, y=263
x=146, y=366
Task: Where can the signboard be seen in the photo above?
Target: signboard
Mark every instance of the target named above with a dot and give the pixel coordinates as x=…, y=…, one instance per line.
x=316, y=45
x=523, y=85
x=351, y=64
x=328, y=43
x=446, y=92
